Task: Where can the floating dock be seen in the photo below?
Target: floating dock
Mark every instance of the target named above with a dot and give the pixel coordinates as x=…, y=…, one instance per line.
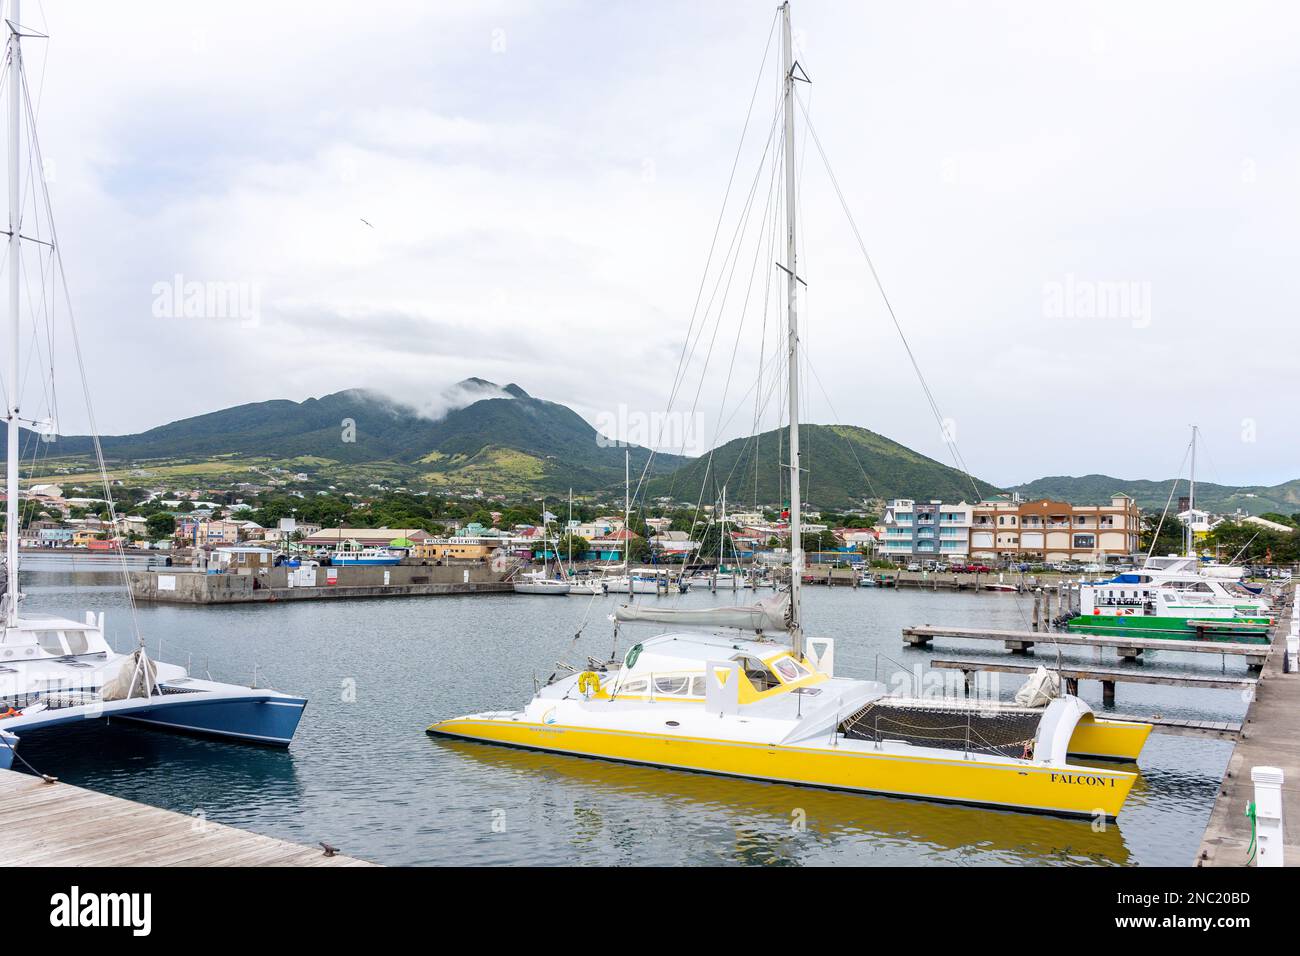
x=1129, y=648
x=1269, y=738
x=57, y=824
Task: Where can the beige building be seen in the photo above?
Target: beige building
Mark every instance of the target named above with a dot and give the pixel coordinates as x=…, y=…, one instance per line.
x=1054, y=531
x=462, y=549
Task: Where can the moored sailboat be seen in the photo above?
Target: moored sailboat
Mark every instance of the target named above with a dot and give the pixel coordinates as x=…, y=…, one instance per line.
x=57, y=671
x=740, y=691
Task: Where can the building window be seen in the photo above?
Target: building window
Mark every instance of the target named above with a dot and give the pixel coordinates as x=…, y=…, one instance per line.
x=1085, y=541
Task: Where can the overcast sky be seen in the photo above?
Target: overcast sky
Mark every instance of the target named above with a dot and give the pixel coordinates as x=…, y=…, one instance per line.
x=539, y=184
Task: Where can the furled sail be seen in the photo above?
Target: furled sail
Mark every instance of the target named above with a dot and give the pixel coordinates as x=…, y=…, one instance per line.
x=770, y=614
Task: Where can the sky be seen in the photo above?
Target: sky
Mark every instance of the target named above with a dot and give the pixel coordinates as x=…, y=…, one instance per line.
x=1084, y=216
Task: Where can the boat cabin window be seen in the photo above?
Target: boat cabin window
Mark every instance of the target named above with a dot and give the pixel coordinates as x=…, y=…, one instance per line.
x=672, y=685
x=790, y=669
x=51, y=642
x=757, y=672
x=77, y=643
x=697, y=686
x=634, y=687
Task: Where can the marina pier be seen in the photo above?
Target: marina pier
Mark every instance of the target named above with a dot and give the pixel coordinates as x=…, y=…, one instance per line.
x=1268, y=739
x=57, y=824
x=1128, y=648
x=186, y=586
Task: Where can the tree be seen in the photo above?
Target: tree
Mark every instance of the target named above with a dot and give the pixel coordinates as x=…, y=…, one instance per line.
x=820, y=541
x=1171, y=538
x=160, y=525
x=573, y=544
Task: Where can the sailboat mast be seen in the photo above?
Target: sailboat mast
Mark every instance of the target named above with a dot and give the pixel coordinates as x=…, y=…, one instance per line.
x=722, y=539
x=792, y=321
x=1191, y=501
x=627, y=504
x=12, y=397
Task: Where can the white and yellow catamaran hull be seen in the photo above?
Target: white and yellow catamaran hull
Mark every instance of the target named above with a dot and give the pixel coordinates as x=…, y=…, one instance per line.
x=888, y=768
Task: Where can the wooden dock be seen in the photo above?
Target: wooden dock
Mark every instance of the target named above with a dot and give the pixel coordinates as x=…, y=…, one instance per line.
x=57, y=824
x=1269, y=739
x=1128, y=648
x=1108, y=676
x=1178, y=727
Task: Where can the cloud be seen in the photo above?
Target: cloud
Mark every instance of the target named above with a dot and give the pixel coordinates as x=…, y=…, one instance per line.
x=543, y=182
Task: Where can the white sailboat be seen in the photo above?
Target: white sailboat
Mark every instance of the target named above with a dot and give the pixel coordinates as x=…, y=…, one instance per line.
x=703, y=696
x=540, y=581
x=625, y=582
x=581, y=585
x=54, y=670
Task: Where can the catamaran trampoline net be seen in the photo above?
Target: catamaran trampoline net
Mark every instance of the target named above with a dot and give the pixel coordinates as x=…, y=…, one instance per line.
x=1009, y=733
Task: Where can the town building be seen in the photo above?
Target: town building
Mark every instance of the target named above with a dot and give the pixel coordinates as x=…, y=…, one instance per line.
x=1008, y=529
x=459, y=547
x=931, y=531
x=241, y=560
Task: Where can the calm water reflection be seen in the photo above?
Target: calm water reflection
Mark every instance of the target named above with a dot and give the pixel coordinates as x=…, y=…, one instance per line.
x=363, y=775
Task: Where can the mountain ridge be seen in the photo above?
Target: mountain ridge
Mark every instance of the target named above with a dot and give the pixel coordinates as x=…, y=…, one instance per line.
x=1153, y=494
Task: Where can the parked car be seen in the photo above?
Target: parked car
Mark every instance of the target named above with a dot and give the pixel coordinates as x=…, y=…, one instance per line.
x=914, y=567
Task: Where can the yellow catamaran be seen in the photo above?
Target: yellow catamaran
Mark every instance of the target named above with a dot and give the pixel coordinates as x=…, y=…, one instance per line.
x=739, y=691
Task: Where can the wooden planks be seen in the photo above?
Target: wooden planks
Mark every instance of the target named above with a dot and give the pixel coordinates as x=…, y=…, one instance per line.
x=1178, y=727
x=57, y=824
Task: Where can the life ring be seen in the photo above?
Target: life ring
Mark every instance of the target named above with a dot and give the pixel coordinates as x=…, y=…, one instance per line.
x=588, y=683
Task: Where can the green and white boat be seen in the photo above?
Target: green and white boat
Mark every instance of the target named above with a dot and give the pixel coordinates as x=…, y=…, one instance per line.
x=1176, y=600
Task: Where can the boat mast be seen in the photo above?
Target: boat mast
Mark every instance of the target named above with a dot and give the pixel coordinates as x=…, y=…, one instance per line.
x=1191, y=502
x=12, y=398
x=627, y=507
x=722, y=539
x=792, y=321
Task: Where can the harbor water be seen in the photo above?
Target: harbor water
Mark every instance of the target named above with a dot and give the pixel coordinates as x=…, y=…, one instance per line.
x=363, y=775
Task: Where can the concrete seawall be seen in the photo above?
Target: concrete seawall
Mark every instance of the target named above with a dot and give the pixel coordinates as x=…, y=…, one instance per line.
x=186, y=586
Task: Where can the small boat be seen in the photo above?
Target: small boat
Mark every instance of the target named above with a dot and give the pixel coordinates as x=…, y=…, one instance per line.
x=537, y=582
x=1172, y=598
x=364, y=557
x=631, y=584
x=1000, y=587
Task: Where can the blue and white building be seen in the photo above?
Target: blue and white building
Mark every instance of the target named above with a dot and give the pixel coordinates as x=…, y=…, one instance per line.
x=928, y=531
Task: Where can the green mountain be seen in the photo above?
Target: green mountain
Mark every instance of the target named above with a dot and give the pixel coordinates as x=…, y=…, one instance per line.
x=844, y=465
x=504, y=441
x=1152, y=495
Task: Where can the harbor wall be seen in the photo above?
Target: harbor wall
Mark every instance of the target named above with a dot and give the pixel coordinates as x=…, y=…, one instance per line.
x=184, y=586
